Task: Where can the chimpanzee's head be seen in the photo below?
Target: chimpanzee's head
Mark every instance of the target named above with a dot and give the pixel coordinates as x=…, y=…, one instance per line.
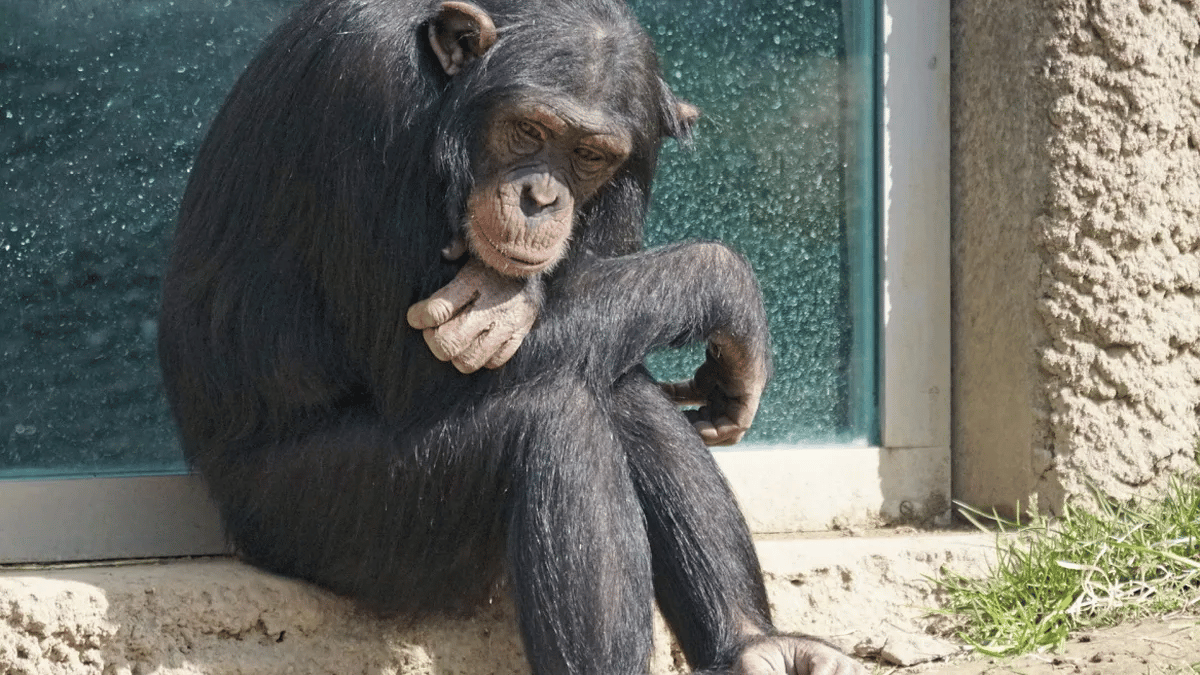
x=566, y=106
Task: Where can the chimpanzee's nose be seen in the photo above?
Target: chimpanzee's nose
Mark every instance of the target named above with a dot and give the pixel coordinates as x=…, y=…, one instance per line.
x=538, y=194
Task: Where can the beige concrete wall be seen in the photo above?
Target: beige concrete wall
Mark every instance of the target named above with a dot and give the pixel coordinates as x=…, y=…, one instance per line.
x=1076, y=246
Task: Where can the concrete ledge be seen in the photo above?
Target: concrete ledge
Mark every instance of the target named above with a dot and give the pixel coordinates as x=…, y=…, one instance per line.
x=218, y=616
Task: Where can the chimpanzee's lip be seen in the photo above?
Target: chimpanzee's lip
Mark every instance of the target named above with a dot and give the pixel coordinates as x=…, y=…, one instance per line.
x=526, y=261
x=525, y=265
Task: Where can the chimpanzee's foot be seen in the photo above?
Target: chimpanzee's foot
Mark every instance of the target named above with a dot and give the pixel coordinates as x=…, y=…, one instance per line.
x=794, y=655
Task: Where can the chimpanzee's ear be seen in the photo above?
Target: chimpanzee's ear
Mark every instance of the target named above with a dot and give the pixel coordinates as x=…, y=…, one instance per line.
x=459, y=34
x=686, y=114
x=680, y=115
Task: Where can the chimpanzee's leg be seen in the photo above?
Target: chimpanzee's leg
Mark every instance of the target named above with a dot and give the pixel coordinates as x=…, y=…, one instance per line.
x=707, y=578
x=706, y=574
x=411, y=522
x=577, y=542
x=416, y=522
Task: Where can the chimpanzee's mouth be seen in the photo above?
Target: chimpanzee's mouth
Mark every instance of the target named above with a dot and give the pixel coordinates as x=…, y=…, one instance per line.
x=532, y=265
x=523, y=265
x=526, y=261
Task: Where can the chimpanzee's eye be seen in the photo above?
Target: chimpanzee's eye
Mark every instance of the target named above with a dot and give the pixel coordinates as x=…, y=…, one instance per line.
x=588, y=155
x=590, y=160
x=527, y=137
x=529, y=129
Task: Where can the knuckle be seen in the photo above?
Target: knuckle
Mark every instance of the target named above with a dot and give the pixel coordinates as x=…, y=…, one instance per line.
x=450, y=340
x=458, y=332
x=469, y=363
x=435, y=345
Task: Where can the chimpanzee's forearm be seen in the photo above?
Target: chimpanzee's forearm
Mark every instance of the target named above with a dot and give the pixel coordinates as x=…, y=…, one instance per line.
x=607, y=314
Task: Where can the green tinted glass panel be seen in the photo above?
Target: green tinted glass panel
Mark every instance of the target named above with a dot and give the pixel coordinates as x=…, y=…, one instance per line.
x=103, y=105
x=782, y=168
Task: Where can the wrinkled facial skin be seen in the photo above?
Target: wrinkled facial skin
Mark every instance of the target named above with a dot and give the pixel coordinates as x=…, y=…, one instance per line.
x=539, y=164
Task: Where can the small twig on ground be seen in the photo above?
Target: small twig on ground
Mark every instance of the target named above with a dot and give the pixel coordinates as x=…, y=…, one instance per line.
x=1160, y=642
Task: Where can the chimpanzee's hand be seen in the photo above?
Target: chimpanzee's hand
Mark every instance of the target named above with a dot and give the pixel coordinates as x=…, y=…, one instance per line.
x=727, y=387
x=479, y=319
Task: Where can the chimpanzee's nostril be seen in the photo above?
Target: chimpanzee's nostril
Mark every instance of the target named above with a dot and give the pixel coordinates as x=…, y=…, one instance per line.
x=536, y=198
x=529, y=207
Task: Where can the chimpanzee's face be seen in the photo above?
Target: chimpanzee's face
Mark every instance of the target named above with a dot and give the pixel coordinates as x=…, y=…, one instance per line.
x=539, y=162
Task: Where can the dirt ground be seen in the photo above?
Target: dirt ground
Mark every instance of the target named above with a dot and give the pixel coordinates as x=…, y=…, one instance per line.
x=1158, y=647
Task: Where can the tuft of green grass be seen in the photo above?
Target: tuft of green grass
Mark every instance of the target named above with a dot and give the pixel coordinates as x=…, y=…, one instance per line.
x=1090, y=567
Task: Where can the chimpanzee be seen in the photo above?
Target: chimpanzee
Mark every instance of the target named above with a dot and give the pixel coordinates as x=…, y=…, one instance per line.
x=400, y=192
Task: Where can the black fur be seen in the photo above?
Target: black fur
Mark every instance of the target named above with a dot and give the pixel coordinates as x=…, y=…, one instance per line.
x=341, y=452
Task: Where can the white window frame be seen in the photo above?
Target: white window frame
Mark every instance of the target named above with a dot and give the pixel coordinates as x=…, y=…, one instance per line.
x=916, y=250
x=780, y=488
x=906, y=477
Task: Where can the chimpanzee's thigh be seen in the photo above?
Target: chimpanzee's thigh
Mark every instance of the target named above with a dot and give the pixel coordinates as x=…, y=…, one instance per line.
x=411, y=522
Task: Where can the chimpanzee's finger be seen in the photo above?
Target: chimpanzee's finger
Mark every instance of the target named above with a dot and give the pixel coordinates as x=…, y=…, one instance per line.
x=714, y=432
x=505, y=352
x=442, y=306
x=452, y=340
x=728, y=432
x=708, y=433
x=683, y=392
x=476, y=353
x=834, y=665
x=702, y=424
x=436, y=344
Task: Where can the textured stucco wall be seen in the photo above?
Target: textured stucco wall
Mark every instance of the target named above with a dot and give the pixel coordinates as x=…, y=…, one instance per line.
x=1076, y=177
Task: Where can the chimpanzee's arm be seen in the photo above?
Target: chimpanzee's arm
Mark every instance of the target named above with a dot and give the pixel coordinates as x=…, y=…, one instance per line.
x=602, y=316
